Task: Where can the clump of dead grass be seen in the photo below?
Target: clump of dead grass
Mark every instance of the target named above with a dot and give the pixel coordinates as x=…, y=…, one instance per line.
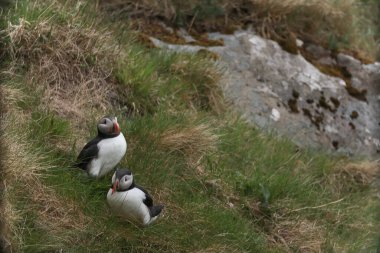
x=10, y=232
x=70, y=63
x=285, y=231
x=193, y=142
x=351, y=23
x=351, y=176
x=57, y=214
x=217, y=248
x=298, y=235
x=25, y=169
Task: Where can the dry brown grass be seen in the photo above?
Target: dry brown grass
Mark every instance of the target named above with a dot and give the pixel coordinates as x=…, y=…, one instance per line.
x=193, y=142
x=69, y=63
x=298, y=235
x=10, y=232
x=353, y=175
x=216, y=248
x=57, y=214
x=6, y=214
x=23, y=181
x=311, y=20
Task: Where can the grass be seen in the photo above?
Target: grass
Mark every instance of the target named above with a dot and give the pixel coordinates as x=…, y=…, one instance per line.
x=349, y=26
x=226, y=186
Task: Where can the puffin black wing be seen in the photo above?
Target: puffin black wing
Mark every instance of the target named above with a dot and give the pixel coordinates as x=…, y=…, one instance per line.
x=148, y=201
x=89, y=151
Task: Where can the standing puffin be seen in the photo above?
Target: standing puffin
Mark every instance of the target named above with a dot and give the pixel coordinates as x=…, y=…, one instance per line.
x=105, y=151
x=131, y=201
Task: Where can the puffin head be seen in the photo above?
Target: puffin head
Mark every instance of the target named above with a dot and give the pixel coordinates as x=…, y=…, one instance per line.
x=122, y=180
x=108, y=126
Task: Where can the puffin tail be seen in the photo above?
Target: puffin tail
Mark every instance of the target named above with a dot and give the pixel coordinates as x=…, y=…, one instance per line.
x=80, y=165
x=156, y=210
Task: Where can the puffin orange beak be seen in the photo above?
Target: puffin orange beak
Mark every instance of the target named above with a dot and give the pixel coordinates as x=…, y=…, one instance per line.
x=116, y=127
x=115, y=185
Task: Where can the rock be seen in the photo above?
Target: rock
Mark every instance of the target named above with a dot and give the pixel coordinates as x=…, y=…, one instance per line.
x=329, y=61
x=299, y=43
x=350, y=62
x=184, y=34
x=283, y=92
x=275, y=114
x=317, y=51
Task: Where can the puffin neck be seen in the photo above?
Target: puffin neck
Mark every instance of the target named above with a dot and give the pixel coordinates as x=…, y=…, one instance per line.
x=105, y=136
x=130, y=187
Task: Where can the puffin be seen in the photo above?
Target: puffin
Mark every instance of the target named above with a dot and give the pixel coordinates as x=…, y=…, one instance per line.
x=101, y=155
x=130, y=201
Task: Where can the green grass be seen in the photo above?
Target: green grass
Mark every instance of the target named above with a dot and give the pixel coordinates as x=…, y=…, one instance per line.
x=262, y=181
x=156, y=79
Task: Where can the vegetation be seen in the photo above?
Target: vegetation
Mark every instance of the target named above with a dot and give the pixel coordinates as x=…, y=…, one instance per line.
x=349, y=26
x=226, y=186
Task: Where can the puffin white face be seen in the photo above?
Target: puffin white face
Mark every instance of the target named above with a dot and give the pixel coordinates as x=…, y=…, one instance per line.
x=121, y=180
x=108, y=126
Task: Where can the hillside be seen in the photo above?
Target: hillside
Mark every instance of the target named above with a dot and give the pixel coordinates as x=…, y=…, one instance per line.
x=226, y=186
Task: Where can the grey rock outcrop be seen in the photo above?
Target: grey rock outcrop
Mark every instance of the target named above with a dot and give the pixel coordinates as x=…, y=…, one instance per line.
x=283, y=92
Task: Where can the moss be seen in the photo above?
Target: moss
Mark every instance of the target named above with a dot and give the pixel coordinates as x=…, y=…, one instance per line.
x=160, y=32
x=145, y=40
x=207, y=43
x=324, y=104
x=359, y=55
x=317, y=119
x=340, y=72
x=156, y=30
x=345, y=72
x=356, y=93
x=354, y=114
x=203, y=40
x=306, y=112
x=335, y=101
x=231, y=28
x=295, y=94
x=330, y=70
x=289, y=42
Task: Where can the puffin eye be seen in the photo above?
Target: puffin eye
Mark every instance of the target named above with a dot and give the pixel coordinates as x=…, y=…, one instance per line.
x=125, y=179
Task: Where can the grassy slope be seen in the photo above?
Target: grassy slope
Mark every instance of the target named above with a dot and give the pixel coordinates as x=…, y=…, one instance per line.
x=349, y=26
x=226, y=186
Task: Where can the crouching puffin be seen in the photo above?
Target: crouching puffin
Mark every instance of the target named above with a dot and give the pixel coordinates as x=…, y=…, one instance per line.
x=105, y=151
x=131, y=201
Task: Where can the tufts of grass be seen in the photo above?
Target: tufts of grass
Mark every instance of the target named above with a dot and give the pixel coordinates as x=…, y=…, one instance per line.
x=189, y=83
x=225, y=185
x=352, y=177
x=193, y=142
x=69, y=59
x=340, y=25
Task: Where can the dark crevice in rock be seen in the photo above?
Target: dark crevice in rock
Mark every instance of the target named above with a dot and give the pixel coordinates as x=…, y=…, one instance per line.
x=335, y=144
x=292, y=103
x=317, y=119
